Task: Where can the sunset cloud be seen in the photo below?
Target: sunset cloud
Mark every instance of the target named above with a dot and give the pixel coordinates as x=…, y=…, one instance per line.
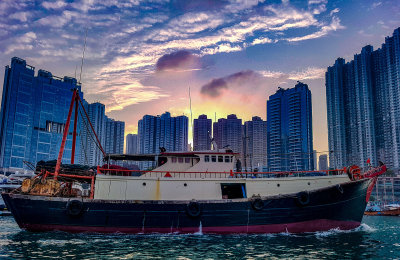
x=178, y=61
x=215, y=87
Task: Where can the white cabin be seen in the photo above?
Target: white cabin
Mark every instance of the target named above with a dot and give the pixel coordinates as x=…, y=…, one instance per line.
x=202, y=175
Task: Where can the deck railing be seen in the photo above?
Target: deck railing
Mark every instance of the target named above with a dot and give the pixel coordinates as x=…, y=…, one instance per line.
x=219, y=175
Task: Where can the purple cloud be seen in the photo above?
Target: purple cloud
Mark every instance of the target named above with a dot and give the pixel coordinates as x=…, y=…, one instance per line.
x=214, y=87
x=180, y=60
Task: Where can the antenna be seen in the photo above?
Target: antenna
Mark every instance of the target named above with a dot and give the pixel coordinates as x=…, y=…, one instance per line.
x=76, y=67
x=83, y=55
x=190, y=104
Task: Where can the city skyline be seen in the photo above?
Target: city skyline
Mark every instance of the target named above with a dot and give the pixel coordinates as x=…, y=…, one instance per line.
x=141, y=60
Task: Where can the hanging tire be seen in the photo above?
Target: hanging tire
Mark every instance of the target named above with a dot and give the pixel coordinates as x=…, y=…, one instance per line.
x=74, y=208
x=303, y=198
x=193, y=209
x=257, y=204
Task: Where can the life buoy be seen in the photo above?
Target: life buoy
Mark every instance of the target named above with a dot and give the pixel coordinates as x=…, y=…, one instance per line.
x=303, y=198
x=193, y=209
x=354, y=172
x=74, y=208
x=257, y=204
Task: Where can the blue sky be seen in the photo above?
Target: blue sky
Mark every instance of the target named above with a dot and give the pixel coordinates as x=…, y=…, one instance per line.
x=142, y=56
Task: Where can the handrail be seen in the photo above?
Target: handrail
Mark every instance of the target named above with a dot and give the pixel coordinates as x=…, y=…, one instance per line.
x=231, y=173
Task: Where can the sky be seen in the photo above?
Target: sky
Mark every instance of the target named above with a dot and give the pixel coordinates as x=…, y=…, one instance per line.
x=143, y=57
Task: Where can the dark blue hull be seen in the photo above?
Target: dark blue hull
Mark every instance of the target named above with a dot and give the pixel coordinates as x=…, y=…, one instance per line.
x=323, y=209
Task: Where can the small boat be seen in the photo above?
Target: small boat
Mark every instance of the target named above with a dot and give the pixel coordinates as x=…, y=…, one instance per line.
x=188, y=192
x=385, y=210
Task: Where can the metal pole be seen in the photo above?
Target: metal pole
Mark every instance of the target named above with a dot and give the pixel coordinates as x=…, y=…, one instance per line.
x=74, y=133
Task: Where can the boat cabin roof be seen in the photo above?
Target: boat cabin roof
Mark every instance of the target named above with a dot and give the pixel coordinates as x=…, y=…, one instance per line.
x=152, y=157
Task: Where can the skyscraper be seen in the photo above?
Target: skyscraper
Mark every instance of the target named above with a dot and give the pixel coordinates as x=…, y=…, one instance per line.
x=227, y=133
x=202, y=133
x=96, y=113
x=33, y=115
x=289, y=126
x=132, y=144
x=255, y=143
x=162, y=131
x=323, y=162
x=114, y=136
x=363, y=106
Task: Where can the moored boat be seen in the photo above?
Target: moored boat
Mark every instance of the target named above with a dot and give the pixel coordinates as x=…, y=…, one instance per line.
x=385, y=210
x=188, y=192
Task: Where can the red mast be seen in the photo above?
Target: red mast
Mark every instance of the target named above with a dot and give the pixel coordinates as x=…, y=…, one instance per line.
x=65, y=135
x=75, y=99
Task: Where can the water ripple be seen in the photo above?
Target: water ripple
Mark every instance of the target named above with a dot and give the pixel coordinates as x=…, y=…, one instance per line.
x=375, y=239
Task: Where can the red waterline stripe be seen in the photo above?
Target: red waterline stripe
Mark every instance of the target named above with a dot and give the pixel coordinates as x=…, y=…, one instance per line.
x=298, y=227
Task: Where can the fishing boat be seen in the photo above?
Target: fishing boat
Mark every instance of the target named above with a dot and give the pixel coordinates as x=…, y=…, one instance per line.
x=188, y=192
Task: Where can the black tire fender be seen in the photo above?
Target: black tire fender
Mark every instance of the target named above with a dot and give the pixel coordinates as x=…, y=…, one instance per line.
x=193, y=209
x=257, y=204
x=74, y=208
x=303, y=198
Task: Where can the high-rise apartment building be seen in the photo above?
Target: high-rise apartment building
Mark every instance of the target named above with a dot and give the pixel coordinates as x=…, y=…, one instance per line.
x=33, y=115
x=227, y=133
x=92, y=154
x=132, y=144
x=255, y=143
x=323, y=162
x=202, y=133
x=289, y=126
x=162, y=131
x=363, y=106
x=114, y=136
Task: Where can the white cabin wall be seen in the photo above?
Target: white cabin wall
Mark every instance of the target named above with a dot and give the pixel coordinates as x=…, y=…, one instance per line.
x=132, y=188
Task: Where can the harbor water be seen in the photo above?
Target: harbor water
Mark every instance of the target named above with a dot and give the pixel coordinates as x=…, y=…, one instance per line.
x=377, y=238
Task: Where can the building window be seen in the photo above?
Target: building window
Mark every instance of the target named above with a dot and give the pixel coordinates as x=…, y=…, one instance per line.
x=54, y=127
x=173, y=159
x=227, y=159
x=213, y=158
x=206, y=158
x=180, y=160
x=187, y=160
x=220, y=158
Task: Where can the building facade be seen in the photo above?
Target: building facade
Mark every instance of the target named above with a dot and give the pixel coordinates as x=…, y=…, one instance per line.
x=289, y=127
x=255, y=143
x=34, y=110
x=323, y=162
x=363, y=111
x=202, y=133
x=114, y=136
x=227, y=133
x=132, y=144
x=155, y=132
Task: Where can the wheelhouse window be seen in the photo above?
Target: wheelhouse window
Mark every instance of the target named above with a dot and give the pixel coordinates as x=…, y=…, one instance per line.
x=227, y=159
x=206, y=158
x=213, y=158
x=173, y=159
x=187, y=160
x=220, y=158
x=180, y=160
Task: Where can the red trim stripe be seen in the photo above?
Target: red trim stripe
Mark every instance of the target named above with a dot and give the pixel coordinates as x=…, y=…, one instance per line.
x=298, y=227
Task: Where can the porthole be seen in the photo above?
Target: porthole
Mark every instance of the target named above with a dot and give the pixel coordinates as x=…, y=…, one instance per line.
x=278, y=185
x=308, y=183
x=144, y=184
x=185, y=184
